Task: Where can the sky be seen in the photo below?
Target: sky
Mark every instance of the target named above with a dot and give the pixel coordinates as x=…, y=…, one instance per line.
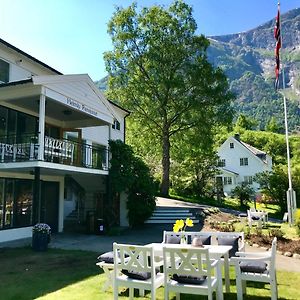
x=71, y=35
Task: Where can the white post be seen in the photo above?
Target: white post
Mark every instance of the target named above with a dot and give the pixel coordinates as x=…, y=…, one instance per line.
x=42, y=110
x=291, y=196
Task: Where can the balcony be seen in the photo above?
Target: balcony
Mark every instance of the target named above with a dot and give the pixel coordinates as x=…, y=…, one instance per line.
x=26, y=148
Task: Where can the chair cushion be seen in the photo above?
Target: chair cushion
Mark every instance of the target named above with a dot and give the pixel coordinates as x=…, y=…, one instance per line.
x=172, y=239
x=136, y=275
x=189, y=279
x=107, y=257
x=253, y=267
x=230, y=241
x=255, y=218
x=205, y=239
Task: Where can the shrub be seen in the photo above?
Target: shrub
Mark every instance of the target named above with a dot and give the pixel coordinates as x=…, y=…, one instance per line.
x=297, y=221
x=276, y=233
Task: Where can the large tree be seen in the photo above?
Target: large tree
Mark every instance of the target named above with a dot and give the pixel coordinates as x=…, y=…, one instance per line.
x=159, y=70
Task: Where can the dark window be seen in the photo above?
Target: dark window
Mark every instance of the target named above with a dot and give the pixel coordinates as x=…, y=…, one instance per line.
x=4, y=71
x=244, y=161
x=227, y=180
x=221, y=163
x=231, y=145
x=1, y=202
x=116, y=125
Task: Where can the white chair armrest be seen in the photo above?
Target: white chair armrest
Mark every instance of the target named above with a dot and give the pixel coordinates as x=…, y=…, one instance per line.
x=252, y=254
x=249, y=259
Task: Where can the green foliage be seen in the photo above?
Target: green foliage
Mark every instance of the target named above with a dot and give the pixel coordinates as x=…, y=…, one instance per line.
x=158, y=69
x=130, y=174
x=273, y=126
x=297, y=221
x=244, y=123
x=274, y=184
x=244, y=193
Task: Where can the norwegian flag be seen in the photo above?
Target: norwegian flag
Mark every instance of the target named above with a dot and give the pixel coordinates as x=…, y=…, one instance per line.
x=277, y=37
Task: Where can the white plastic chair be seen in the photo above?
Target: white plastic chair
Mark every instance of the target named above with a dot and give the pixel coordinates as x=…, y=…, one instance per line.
x=258, y=273
x=251, y=220
x=138, y=260
x=192, y=262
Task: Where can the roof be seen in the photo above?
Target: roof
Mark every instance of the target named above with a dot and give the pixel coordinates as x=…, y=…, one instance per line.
x=12, y=83
x=28, y=56
x=229, y=171
x=258, y=153
x=120, y=107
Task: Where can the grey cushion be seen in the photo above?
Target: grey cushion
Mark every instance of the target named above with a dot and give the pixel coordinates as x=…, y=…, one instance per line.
x=107, y=257
x=172, y=239
x=254, y=218
x=253, y=267
x=230, y=241
x=205, y=239
x=189, y=279
x=137, y=275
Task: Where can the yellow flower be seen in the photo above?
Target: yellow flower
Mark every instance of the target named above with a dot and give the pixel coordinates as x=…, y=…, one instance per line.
x=189, y=222
x=179, y=224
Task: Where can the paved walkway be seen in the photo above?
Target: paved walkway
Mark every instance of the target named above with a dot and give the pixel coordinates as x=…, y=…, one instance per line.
x=147, y=233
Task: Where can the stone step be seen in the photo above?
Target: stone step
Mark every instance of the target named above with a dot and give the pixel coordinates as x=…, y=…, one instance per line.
x=165, y=221
x=188, y=214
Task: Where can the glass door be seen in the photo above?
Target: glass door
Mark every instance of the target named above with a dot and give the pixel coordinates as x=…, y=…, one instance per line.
x=74, y=136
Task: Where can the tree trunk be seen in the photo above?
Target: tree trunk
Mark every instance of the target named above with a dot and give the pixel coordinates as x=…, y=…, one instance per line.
x=165, y=181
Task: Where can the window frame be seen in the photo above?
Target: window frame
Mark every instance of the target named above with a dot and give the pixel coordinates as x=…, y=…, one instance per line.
x=244, y=161
x=6, y=73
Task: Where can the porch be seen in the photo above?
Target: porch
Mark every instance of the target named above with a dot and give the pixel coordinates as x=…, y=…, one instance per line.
x=25, y=148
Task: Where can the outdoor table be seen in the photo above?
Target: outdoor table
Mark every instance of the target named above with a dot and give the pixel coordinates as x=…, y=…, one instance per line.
x=215, y=252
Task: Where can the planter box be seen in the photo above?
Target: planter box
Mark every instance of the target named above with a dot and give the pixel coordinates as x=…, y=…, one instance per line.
x=40, y=241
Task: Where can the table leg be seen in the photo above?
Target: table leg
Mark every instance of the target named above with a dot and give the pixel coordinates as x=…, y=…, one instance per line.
x=220, y=283
x=226, y=272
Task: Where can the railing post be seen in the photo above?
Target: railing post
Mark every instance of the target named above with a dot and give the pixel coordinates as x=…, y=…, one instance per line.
x=42, y=110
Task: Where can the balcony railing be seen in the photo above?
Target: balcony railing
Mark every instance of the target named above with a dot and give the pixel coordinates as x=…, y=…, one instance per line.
x=26, y=147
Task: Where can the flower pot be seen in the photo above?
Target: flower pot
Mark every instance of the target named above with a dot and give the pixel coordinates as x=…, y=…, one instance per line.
x=40, y=241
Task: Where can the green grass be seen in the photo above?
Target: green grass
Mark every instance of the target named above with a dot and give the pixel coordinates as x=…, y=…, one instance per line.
x=58, y=274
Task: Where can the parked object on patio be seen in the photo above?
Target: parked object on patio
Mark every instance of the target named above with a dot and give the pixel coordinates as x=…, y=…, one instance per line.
x=182, y=276
x=99, y=226
x=256, y=267
x=41, y=234
x=139, y=269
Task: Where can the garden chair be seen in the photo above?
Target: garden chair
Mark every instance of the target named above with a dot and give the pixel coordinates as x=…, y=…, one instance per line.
x=256, y=267
x=190, y=271
x=135, y=267
x=252, y=219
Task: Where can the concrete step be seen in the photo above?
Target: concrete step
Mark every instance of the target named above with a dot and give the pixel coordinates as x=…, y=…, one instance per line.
x=165, y=221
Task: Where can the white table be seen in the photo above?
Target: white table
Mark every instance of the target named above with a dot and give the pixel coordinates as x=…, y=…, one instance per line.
x=215, y=252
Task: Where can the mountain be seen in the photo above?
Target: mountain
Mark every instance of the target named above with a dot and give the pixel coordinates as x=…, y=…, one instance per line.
x=247, y=59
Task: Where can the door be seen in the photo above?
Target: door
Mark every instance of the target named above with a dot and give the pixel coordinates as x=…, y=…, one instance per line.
x=75, y=136
x=49, y=204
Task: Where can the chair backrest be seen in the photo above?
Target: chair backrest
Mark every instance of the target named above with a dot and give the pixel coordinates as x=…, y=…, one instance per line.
x=194, y=262
x=252, y=209
x=273, y=255
x=134, y=258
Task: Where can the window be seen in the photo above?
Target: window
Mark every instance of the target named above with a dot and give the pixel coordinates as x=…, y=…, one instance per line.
x=4, y=71
x=227, y=180
x=221, y=163
x=231, y=145
x=244, y=161
x=116, y=125
x=248, y=179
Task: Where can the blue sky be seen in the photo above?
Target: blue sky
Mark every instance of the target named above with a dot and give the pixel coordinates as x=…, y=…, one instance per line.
x=71, y=35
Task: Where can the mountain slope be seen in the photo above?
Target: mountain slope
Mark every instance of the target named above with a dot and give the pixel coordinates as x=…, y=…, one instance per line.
x=248, y=60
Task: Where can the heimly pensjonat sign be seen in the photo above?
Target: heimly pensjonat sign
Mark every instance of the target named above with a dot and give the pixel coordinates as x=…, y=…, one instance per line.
x=82, y=107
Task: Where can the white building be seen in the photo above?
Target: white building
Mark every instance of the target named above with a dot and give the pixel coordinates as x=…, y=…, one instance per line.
x=54, y=133
x=240, y=162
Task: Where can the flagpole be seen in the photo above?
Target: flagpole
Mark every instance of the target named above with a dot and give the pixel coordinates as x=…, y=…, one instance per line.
x=291, y=197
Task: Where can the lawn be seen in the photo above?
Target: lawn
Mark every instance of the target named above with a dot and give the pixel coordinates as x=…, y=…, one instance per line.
x=61, y=274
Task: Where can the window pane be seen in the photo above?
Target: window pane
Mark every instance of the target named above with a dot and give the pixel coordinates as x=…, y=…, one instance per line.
x=23, y=196
x=1, y=202
x=4, y=71
x=3, y=121
x=9, y=203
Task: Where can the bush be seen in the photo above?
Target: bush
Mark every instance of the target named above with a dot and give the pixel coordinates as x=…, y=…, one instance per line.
x=297, y=221
x=130, y=174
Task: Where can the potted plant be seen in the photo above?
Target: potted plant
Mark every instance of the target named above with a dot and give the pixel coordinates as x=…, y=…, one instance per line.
x=40, y=236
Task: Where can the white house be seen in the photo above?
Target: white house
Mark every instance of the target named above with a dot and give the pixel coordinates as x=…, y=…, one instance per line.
x=239, y=162
x=54, y=133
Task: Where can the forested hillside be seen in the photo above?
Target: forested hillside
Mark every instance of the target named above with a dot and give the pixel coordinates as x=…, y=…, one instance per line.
x=248, y=60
